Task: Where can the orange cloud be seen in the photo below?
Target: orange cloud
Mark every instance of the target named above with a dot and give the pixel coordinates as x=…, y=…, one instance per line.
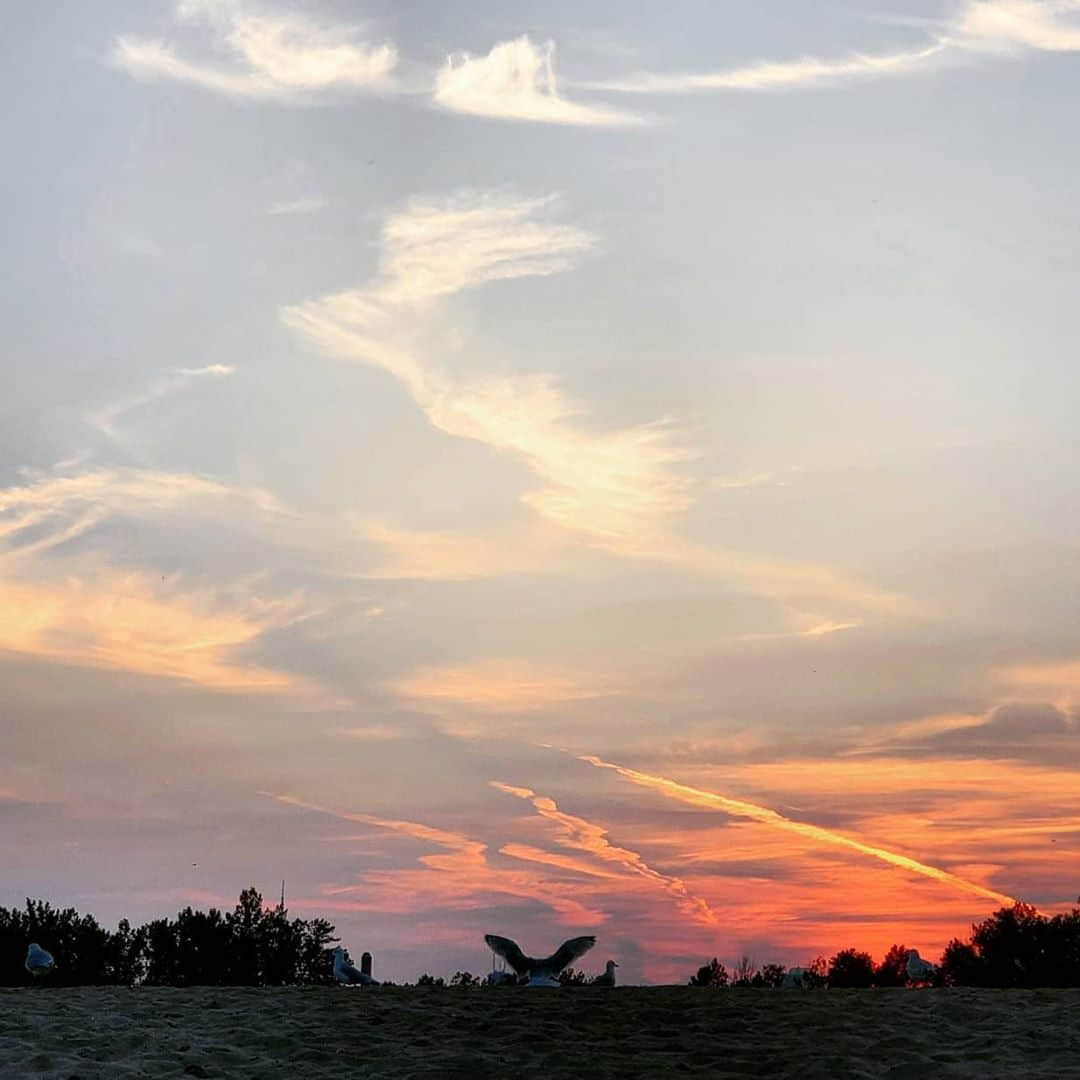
x=576, y=832
x=80, y=609
x=739, y=808
x=460, y=878
x=501, y=686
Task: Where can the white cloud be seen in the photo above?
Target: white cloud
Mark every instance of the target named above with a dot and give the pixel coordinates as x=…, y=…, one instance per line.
x=619, y=491
x=779, y=75
x=516, y=81
x=275, y=56
x=613, y=486
x=980, y=26
x=70, y=603
x=105, y=419
x=1007, y=25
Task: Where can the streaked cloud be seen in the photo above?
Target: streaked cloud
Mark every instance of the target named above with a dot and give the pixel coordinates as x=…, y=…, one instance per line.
x=612, y=486
x=516, y=81
x=980, y=26
x=1011, y=25
x=459, y=877
x=106, y=418
x=500, y=686
x=621, y=491
x=784, y=74
x=62, y=602
x=582, y=835
x=275, y=56
x=741, y=808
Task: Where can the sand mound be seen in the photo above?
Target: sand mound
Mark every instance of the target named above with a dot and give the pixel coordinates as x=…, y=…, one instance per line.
x=96, y=1034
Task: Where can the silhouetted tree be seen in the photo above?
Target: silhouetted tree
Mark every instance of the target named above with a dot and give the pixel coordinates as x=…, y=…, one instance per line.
x=770, y=975
x=961, y=965
x=465, y=979
x=1017, y=946
x=744, y=972
x=892, y=971
x=712, y=974
x=250, y=946
x=315, y=962
x=430, y=980
x=817, y=972
x=851, y=969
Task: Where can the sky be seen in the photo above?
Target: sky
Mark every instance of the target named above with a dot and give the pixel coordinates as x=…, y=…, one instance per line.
x=542, y=469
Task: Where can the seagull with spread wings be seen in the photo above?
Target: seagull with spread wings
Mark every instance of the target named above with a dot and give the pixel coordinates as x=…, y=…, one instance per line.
x=540, y=972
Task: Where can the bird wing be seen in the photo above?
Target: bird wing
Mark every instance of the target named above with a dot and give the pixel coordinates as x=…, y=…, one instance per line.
x=568, y=952
x=509, y=951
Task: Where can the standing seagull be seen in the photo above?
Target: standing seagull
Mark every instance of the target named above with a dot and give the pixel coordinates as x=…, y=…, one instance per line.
x=608, y=978
x=918, y=969
x=39, y=961
x=345, y=973
x=540, y=972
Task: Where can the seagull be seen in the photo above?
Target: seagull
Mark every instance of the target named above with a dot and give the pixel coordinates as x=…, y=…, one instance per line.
x=918, y=969
x=608, y=978
x=39, y=961
x=345, y=973
x=794, y=979
x=540, y=972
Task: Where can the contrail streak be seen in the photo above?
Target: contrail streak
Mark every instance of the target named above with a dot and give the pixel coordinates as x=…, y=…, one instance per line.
x=586, y=836
x=738, y=808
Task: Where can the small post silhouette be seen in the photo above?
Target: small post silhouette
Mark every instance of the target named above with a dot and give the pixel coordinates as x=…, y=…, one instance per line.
x=365, y=963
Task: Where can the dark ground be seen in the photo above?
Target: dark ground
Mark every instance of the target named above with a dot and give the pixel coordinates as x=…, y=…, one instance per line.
x=658, y=1032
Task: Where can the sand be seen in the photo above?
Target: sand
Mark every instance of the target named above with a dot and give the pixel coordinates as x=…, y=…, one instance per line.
x=628, y=1032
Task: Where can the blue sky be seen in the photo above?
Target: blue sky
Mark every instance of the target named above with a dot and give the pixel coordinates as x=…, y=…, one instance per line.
x=403, y=402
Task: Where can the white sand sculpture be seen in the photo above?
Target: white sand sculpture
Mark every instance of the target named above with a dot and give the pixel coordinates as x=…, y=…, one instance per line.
x=918, y=969
x=345, y=973
x=795, y=978
x=608, y=978
x=540, y=972
x=39, y=961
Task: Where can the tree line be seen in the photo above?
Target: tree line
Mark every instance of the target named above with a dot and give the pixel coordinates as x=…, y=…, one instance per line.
x=255, y=945
x=252, y=945
x=1015, y=947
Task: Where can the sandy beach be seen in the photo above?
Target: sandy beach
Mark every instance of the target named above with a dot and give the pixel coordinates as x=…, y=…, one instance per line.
x=95, y=1034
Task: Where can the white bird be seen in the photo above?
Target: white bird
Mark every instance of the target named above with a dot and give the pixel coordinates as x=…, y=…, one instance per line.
x=918, y=969
x=39, y=961
x=544, y=980
x=537, y=969
x=795, y=979
x=345, y=973
x=608, y=978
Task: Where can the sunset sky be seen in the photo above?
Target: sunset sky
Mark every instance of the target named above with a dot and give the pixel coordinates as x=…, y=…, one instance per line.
x=543, y=468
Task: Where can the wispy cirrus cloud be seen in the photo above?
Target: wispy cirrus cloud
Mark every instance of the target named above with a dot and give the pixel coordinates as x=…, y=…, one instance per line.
x=782, y=74
x=457, y=877
x=106, y=418
x=608, y=485
x=620, y=491
x=816, y=833
x=501, y=686
x=516, y=81
x=62, y=602
x=274, y=56
x=980, y=26
x=581, y=835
